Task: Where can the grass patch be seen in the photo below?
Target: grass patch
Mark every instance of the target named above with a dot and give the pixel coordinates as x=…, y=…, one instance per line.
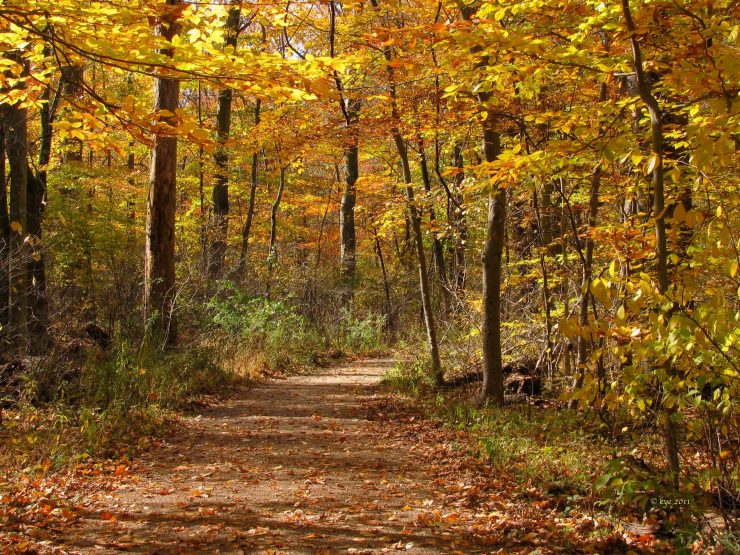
x=553, y=449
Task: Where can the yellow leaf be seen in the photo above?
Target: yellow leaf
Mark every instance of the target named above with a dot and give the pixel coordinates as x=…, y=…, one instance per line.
x=16, y=227
x=733, y=268
x=320, y=86
x=679, y=213
x=651, y=164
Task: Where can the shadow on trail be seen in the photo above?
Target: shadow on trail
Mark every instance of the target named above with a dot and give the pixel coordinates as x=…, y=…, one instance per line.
x=293, y=465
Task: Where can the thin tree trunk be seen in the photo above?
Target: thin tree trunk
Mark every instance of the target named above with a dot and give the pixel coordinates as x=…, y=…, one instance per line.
x=415, y=223
x=272, y=254
x=247, y=228
x=37, y=301
x=37, y=198
x=545, y=285
x=159, y=269
x=17, y=152
x=583, y=344
x=4, y=225
x=439, y=256
x=415, y=220
x=492, y=388
x=670, y=431
x=347, y=235
x=389, y=323
x=72, y=89
x=319, y=244
x=221, y=159
x=459, y=224
x=201, y=192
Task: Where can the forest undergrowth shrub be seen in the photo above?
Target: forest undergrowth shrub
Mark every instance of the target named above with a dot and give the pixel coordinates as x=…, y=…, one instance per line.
x=361, y=335
x=277, y=335
x=411, y=377
x=108, y=405
x=550, y=448
x=272, y=331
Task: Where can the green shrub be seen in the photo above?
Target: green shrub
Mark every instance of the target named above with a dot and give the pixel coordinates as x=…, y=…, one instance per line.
x=412, y=377
x=359, y=335
x=273, y=330
x=133, y=378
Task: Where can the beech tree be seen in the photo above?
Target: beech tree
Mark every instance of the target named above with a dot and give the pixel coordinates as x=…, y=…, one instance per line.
x=159, y=267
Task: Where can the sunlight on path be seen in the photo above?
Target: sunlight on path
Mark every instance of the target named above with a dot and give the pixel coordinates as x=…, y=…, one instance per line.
x=292, y=466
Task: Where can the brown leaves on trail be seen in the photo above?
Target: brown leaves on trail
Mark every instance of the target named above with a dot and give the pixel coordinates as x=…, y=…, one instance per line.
x=37, y=506
x=261, y=475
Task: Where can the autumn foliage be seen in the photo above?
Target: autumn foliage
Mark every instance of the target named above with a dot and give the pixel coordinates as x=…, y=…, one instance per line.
x=534, y=197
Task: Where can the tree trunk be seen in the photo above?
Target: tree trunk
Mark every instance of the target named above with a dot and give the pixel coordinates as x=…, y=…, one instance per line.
x=221, y=159
x=459, y=224
x=347, y=237
x=583, y=344
x=37, y=191
x=389, y=320
x=439, y=256
x=546, y=304
x=37, y=302
x=415, y=220
x=247, y=228
x=17, y=151
x=492, y=388
x=415, y=223
x=272, y=254
x=72, y=76
x=547, y=221
x=670, y=431
x=159, y=269
x=4, y=225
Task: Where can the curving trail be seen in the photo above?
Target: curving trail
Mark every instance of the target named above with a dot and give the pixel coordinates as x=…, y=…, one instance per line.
x=308, y=464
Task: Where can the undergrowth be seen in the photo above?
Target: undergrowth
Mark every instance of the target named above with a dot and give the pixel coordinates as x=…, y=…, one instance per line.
x=569, y=455
x=110, y=402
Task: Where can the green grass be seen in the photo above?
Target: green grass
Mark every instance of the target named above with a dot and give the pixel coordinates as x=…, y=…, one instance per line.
x=550, y=448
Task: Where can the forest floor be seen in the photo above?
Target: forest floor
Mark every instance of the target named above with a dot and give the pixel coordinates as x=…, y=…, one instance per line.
x=318, y=463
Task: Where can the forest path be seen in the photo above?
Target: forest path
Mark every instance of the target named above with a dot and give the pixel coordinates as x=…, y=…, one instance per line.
x=323, y=463
x=290, y=466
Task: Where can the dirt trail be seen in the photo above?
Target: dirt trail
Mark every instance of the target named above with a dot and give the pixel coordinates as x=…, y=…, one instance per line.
x=291, y=466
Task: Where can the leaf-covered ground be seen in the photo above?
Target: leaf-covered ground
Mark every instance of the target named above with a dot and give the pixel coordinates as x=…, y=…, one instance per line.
x=323, y=463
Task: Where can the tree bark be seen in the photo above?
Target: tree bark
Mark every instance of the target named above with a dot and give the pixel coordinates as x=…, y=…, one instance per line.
x=247, y=228
x=17, y=152
x=37, y=198
x=492, y=388
x=415, y=223
x=72, y=76
x=583, y=344
x=389, y=320
x=4, y=225
x=439, y=256
x=272, y=254
x=221, y=159
x=546, y=304
x=459, y=224
x=38, y=309
x=159, y=269
x=415, y=220
x=347, y=235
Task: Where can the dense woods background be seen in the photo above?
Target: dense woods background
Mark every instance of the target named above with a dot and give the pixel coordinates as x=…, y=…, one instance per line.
x=543, y=195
